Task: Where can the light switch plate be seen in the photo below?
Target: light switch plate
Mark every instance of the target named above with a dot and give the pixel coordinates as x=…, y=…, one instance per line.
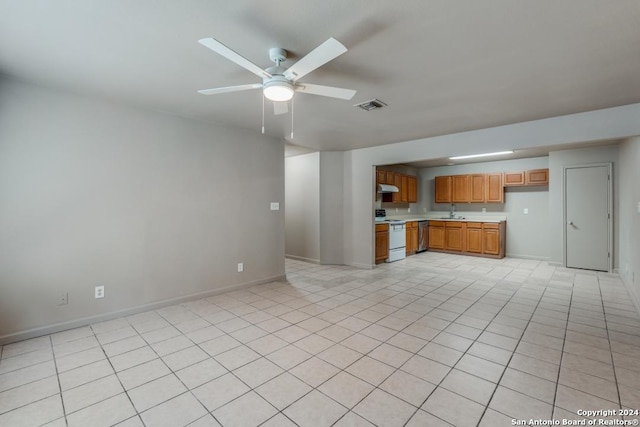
x=525, y=211
x=275, y=206
x=638, y=207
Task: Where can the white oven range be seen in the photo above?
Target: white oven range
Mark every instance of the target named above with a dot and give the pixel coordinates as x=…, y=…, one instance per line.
x=397, y=240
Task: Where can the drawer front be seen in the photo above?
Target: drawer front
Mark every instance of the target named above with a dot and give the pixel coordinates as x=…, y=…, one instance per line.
x=491, y=225
x=474, y=225
x=436, y=223
x=382, y=227
x=452, y=224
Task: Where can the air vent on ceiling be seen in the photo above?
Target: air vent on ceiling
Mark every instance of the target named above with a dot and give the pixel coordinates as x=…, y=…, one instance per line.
x=372, y=104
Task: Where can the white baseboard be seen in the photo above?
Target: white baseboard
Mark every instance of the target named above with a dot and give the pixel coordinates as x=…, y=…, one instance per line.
x=300, y=258
x=531, y=257
x=362, y=266
x=76, y=323
x=634, y=298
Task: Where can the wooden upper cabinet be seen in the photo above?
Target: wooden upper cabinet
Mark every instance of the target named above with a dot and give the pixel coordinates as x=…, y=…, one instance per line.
x=477, y=190
x=529, y=177
x=407, y=186
x=537, y=177
x=513, y=178
x=404, y=188
x=391, y=178
x=494, y=188
x=460, y=186
x=412, y=184
x=397, y=181
x=443, y=189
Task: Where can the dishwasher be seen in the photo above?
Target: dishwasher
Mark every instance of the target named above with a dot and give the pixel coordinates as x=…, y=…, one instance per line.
x=423, y=236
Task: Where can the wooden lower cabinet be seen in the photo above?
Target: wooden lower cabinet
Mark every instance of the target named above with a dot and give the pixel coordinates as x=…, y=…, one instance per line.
x=474, y=237
x=491, y=239
x=412, y=237
x=382, y=242
x=453, y=236
x=466, y=237
x=436, y=235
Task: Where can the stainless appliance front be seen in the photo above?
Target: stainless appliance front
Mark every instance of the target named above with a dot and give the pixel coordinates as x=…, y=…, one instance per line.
x=423, y=236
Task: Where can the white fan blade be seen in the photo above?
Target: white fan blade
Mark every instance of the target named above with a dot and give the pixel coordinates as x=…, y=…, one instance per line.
x=223, y=50
x=319, y=56
x=333, y=92
x=229, y=89
x=280, y=107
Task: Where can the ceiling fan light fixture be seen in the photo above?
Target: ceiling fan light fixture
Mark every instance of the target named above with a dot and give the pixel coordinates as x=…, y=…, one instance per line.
x=278, y=90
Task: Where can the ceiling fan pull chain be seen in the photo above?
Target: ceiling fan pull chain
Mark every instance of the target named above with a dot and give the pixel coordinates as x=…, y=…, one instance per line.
x=292, y=118
x=263, y=114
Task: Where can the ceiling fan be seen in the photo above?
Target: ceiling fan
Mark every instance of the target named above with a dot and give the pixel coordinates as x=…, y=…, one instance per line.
x=279, y=83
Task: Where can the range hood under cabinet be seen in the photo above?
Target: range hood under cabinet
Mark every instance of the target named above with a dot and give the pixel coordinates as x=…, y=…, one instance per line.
x=386, y=188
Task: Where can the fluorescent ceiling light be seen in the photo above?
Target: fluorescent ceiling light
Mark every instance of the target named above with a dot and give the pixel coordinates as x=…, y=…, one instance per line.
x=471, y=156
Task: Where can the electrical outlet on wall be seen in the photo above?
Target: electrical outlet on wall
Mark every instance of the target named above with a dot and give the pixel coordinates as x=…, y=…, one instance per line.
x=99, y=292
x=240, y=267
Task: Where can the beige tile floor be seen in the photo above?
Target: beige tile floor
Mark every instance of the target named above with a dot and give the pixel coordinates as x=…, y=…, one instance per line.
x=433, y=340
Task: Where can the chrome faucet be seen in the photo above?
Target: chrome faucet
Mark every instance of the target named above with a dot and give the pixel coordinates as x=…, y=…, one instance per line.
x=452, y=211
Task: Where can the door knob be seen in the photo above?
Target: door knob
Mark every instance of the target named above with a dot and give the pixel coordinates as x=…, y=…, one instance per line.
x=570, y=222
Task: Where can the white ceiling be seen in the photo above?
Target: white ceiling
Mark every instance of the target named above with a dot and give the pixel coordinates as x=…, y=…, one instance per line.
x=441, y=66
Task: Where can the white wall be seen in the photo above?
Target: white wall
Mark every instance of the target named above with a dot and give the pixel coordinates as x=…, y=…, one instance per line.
x=558, y=160
x=331, y=207
x=612, y=123
x=152, y=206
x=302, y=208
x=527, y=235
x=629, y=216
x=314, y=207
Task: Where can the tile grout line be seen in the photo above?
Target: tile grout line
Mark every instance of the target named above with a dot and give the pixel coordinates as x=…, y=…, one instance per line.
x=55, y=365
x=188, y=390
x=511, y=357
x=564, y=340
x=606, y=325
x=463, y=353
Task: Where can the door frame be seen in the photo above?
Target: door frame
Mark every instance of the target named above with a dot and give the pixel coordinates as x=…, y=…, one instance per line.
x=609, y=166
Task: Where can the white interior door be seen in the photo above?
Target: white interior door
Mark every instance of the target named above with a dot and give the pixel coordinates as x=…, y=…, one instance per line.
x=588, y=217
